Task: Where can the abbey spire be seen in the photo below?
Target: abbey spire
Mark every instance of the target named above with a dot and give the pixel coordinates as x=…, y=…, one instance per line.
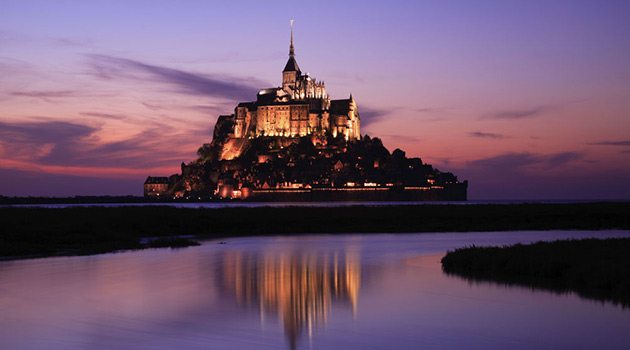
x=291, y=47
x=292, y=65
x=300, y=107
x=291, y=70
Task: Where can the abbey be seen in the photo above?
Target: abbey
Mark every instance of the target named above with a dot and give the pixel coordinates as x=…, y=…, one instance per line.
x=300, y=107
x=293, y=143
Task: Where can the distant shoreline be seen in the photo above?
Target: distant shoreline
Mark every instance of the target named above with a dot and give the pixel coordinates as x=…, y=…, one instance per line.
x=139, y=200
x=82, y=230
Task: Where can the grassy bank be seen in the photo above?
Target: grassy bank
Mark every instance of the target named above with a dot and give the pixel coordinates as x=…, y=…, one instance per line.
x=89, y=230
x=593, y=268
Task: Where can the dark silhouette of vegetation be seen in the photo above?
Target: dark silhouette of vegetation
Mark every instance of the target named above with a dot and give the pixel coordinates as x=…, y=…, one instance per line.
x=90, y=230
x=172, y=242
x=77, y=200
x=315, y=160
x=593, y=268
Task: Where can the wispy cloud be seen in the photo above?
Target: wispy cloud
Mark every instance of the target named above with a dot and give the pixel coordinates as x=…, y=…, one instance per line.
x=210, y=109
x=561, y=159
x=519, y=113
x=214, y=110
x=44, y=132
x=230, y=87
x=516, y=161
x=429, y=114
x=371, y=115
x=445, y=161
x=66, y=144
x=402, y=138
x=38, y=139
x=71, y=42
x=507, y=160
x=50, y=96
x=143, y=150
x=486, y=135
x=610, y=143
x=11, y=62
x=103, y=115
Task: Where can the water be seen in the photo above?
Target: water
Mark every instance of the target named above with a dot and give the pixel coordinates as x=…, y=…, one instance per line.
x=240, y=204
x=306, y=292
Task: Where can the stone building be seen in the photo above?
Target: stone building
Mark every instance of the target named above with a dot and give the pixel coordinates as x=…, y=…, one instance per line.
x=290, y=144
x=298, y=108
x=155, y=186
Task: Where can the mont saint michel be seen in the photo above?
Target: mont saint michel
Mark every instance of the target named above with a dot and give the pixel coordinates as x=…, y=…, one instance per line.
x=308, y=184
x=295, y=143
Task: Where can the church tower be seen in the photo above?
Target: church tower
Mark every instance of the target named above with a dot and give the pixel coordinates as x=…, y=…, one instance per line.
x=291, y=71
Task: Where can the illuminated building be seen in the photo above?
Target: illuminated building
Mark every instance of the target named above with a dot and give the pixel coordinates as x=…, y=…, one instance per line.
x=155, y=186
x=296, y=144
x=300, y=107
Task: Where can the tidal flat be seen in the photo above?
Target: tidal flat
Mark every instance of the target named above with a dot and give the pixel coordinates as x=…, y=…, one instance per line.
x=40, y=231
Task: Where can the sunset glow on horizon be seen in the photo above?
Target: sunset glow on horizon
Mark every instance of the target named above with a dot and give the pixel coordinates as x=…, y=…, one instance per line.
x=525, y=100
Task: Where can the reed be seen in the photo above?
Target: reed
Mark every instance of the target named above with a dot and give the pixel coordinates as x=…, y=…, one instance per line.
x=593, y=268
x=32, y=231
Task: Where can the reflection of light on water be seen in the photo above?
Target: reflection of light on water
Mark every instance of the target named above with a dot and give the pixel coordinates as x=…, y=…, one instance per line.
x=298, y=288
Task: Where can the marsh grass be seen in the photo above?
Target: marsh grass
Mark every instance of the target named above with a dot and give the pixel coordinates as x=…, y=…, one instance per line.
x=90, y=230
x=172, y=242
x=593, y=268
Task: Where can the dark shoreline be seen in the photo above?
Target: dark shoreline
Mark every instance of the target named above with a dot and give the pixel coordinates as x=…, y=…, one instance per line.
x=597, y=269
x=139, y=200
x=37, y=231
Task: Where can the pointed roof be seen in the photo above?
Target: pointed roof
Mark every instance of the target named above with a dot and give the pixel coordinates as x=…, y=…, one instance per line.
x=340, y=107
x=292, y=65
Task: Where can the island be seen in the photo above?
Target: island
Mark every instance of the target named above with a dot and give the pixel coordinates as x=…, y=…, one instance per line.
x=295, y=143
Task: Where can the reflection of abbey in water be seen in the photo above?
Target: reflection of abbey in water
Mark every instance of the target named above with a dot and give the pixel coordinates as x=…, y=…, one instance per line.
x=299, y=289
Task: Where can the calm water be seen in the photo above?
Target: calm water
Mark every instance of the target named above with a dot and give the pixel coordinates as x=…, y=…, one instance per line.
x=309, y=292
x=239, y=204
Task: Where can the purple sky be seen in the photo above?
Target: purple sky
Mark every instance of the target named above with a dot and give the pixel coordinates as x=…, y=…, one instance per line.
x=525, y=99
